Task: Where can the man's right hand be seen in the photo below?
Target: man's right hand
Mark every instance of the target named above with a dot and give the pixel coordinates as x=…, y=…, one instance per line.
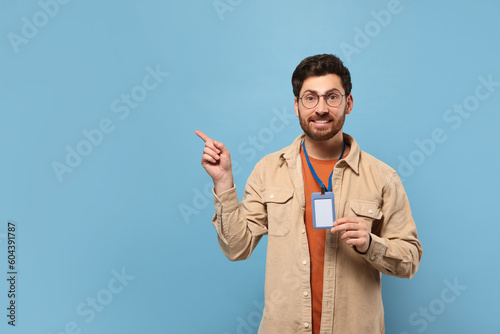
x=217, y=162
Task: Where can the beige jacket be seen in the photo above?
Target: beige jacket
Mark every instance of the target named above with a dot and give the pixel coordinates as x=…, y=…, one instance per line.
x=273, y=204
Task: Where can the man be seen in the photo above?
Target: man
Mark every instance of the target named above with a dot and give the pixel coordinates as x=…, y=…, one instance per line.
x=318, y=281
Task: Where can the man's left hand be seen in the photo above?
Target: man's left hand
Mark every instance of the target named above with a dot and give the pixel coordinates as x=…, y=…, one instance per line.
x=354, y=231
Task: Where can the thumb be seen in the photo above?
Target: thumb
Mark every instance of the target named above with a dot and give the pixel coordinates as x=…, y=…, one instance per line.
x=221, y=147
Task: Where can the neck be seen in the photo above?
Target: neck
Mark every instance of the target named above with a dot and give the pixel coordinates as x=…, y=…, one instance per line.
x=326, y=149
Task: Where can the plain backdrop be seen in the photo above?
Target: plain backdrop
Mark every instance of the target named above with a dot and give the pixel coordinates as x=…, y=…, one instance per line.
x=100, y=166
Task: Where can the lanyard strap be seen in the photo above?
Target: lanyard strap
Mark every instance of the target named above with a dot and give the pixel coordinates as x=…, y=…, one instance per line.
x=323, y=188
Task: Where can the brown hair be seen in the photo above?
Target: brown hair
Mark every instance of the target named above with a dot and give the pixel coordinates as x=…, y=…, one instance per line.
x=320, y=65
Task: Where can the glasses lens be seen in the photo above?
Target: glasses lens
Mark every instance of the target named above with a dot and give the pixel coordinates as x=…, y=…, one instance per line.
x=334, y=99
x=310, y=100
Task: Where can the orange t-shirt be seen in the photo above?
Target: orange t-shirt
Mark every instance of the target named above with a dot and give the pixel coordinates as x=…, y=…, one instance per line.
x=315, y=238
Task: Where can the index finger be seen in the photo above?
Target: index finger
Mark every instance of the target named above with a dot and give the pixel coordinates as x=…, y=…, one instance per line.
x=203, y=136
x=346, y=220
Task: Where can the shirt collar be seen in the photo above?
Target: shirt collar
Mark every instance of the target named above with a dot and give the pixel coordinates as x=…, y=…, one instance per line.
x=352, y=159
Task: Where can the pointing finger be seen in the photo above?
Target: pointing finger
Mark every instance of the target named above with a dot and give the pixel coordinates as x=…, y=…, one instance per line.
x=208, y=141
x=203, y=136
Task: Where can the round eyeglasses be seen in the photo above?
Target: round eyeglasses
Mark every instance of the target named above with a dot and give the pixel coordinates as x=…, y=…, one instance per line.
x=311, y=100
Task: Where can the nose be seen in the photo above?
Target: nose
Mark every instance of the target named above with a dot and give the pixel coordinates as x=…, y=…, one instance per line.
x=322, y=107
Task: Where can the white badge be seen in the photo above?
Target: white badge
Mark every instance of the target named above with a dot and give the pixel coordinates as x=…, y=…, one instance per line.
x=323, y=210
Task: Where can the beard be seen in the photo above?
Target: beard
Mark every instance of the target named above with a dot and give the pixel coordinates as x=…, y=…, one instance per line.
x=327, y=133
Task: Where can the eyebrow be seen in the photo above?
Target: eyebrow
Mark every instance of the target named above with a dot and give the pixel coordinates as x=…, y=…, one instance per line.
x=327, y=92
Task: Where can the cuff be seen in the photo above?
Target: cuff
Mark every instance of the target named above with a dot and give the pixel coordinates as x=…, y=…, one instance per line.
x=226, y=201
x=377, y=249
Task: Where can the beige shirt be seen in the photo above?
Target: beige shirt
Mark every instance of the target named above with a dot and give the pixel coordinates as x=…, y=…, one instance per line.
x=273, y=204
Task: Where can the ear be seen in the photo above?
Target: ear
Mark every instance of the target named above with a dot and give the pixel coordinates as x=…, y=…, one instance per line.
x=296, y=104
x=349, y=104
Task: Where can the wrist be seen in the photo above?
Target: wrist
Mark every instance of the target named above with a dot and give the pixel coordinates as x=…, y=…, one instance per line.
x=368, y=247
x=224, y=184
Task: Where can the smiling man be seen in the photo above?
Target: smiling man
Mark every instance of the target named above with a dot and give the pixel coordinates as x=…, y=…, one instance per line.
x=336, y=217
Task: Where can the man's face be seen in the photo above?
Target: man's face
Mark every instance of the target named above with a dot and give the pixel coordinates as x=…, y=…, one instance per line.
x=323, y=121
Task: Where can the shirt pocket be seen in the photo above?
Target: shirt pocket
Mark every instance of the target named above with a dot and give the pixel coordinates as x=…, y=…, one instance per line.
x=368, y=210
x=279, y=210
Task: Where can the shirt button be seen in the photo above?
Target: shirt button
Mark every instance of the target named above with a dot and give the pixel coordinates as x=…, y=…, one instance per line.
x=372, y=257
x=218, y=204
x=306, y=294
x=304, y=262
x=303, y=230
x=306, y=324
x=271, y=196
x=370, y=211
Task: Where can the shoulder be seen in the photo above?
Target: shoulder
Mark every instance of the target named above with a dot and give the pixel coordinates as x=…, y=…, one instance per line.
x=274, y=159
x=275, y=166
x=279, y=157
x=376, y=167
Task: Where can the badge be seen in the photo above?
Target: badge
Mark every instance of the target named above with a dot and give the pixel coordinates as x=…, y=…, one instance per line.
x=323, y=210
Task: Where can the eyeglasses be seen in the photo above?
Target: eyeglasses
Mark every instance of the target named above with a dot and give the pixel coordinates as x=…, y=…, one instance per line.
x=311, y=100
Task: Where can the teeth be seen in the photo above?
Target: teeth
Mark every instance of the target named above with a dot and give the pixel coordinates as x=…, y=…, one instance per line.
x=321, y=122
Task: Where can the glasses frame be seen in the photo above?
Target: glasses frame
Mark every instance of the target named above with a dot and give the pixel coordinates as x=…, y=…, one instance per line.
x=324, y=97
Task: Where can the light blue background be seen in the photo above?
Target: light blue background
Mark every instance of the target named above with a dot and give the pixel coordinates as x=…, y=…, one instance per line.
x=229, y=75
